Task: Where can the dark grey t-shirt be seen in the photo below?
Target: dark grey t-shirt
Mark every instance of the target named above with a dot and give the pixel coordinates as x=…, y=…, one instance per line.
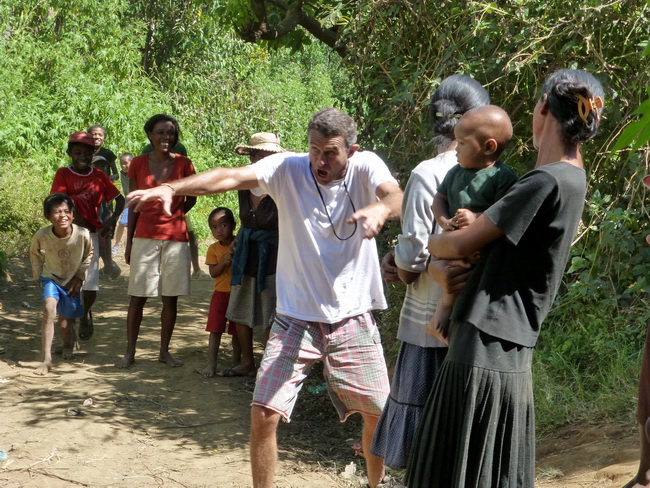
x=515, y=282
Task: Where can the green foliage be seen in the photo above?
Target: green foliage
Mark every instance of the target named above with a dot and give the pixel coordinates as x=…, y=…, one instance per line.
x=21, y=201
x=511, y=47
x=637, y=134
x=119, y=63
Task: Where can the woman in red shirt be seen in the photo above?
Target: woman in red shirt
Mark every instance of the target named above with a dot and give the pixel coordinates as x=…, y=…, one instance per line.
x=157, y=246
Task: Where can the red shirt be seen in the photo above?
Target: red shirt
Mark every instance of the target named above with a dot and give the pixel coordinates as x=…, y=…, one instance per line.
x=152, y=222
x=87, y=191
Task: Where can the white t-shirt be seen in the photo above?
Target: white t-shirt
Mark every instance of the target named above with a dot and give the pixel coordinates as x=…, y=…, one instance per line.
x=321, y=278
x=411, y=253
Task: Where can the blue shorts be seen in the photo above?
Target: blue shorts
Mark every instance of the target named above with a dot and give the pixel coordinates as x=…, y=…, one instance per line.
x=66, y=306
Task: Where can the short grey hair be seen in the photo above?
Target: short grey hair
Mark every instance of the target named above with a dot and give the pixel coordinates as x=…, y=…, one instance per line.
x=331, y=122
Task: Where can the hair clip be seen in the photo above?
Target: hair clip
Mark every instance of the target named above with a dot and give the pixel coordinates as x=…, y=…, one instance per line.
x=453, y=116
x=585, y=106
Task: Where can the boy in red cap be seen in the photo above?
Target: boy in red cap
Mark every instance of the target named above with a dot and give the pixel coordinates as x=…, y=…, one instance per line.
x=88, y=187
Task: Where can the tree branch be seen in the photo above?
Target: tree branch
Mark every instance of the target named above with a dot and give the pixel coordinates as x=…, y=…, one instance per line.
x=294, y=15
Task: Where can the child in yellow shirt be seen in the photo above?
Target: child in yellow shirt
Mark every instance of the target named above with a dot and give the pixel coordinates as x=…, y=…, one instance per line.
x=219, y=258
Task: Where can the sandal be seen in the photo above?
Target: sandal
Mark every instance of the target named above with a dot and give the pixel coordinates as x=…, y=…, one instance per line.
x=229, y=373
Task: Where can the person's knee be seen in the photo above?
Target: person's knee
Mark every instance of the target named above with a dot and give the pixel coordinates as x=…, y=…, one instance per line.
x=370, y=421
x=264, y=421
x=169, y=301
x=49, y=309
x=137, y=302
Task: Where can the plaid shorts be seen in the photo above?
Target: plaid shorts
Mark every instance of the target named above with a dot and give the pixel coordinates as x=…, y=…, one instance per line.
x=353, y=365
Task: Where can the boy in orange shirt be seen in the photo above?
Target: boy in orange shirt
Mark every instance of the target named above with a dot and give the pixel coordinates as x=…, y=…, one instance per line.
x=219, y=258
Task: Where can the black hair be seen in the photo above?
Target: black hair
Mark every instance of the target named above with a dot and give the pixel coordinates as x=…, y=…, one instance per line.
x=129, y=155
x=96, y=126
x=229, y=215
x=455, y=95
x=151, y=123
x=331, y=122
x=562, y=89
x=54, y=200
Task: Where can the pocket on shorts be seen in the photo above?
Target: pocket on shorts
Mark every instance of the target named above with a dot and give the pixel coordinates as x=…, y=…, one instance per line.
x=367, y=321
x=280, y=324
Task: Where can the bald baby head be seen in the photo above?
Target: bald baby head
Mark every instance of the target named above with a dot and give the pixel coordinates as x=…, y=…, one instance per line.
x=490, y=126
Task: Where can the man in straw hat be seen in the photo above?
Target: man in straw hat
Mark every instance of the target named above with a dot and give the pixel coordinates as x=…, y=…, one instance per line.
x=261, y=144
x=332, y=202
x=252, y=294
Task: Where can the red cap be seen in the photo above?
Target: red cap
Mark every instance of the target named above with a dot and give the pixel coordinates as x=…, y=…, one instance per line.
x=82, y=137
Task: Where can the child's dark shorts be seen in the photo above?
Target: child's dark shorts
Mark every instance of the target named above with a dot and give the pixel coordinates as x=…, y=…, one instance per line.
x=217, y=321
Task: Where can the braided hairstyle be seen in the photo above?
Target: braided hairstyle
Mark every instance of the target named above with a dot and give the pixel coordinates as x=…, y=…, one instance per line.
x=456, y=95
x=563, y=89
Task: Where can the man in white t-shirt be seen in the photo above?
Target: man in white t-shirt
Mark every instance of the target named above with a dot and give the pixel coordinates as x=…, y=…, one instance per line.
x=332, y=202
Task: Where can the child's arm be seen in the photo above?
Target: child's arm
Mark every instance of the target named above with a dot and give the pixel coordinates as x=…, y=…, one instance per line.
x=440, y=209
x=86, y=258
x=110, y=222
x=114, y=174
x=36, y=258
x=464, y=217
x=131, y=223
x=221, y=266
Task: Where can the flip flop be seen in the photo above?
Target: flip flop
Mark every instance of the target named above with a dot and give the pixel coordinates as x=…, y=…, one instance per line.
x=86, y=328
x=229, y=373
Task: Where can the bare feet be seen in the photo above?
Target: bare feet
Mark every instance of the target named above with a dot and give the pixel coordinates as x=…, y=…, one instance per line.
x=43, y=369
x=169, y=360
x=67, y=353
x=209, y=371
x=125, y=362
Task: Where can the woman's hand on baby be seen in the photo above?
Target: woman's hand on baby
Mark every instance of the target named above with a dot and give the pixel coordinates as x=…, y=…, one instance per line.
x=463, y=218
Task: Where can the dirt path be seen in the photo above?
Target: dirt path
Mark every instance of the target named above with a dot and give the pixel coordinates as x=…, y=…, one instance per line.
x=154, y=426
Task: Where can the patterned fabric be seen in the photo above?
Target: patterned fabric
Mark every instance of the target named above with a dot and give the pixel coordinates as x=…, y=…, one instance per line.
x=353, y=365
x=252, y=308
x=408, y=395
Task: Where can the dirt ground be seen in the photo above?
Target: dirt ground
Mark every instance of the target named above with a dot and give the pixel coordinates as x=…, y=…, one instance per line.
x=90, y=424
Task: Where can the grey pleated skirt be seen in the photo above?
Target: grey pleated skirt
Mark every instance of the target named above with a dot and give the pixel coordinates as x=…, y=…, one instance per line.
x=478, y=426
x=415, y=372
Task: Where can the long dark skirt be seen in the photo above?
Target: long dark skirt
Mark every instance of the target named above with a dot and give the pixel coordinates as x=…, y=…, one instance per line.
x=478, y=428
x=415, y=372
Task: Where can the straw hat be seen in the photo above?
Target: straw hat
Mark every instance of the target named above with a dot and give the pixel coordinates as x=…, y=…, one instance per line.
x=261, y=141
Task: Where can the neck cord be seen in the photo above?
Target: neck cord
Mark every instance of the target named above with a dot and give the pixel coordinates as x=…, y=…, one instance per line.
x=325, y=206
